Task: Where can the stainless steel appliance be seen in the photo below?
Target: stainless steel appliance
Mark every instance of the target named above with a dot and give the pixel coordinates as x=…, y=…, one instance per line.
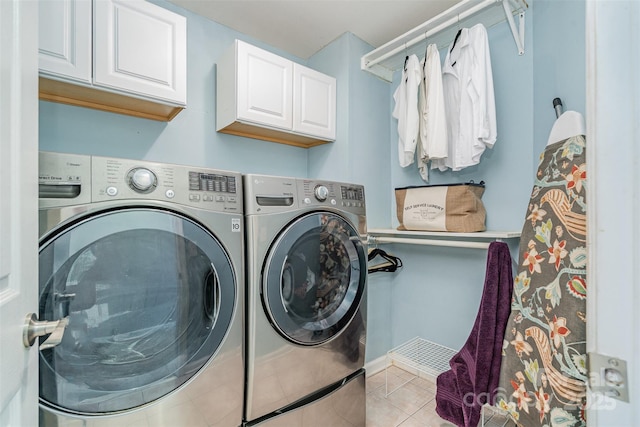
x=306, y=302
x=145, y=263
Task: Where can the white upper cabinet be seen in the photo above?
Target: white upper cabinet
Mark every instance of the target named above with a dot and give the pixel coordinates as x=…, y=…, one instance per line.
x=124, y=56
x=265, y=87
x=64, y=44
x=141, y=48
x=314, y=103
x=262, y=95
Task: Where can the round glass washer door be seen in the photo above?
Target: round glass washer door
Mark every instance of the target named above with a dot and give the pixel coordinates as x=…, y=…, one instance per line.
x=149, y=294
x=314, y=278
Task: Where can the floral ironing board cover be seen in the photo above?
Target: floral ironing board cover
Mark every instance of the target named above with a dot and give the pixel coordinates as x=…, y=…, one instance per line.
x=544, y=373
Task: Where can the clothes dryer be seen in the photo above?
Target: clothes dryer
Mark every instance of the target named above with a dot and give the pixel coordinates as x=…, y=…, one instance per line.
x=145, y=262
x=306, y=302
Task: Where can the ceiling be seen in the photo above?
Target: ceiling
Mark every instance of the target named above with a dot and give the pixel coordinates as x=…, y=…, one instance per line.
x=303, y=27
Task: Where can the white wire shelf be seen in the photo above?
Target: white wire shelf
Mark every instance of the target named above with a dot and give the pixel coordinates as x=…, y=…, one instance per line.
x=419, y=357
x=479, y=240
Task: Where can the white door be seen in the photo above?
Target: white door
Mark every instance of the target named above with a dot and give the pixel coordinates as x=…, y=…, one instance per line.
x=265, y=85
x=613, y=103
x=314, y=103
x=19, y=209
x=65, y=39
x=141, y=48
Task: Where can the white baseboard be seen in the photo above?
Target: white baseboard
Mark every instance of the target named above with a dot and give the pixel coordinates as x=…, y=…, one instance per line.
x=376, y=365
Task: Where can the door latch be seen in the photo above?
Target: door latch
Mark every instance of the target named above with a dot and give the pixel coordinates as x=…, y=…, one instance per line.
x=608, y=375
x=34, y=329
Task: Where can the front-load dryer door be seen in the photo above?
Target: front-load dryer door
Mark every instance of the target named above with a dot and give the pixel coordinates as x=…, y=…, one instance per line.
x=149, y=295
x=314, y=278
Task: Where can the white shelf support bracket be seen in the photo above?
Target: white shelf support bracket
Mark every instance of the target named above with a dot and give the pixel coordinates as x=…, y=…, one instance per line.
x=518, y=32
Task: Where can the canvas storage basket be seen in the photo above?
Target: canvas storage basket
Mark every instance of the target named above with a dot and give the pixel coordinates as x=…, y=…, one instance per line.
x=444, y=207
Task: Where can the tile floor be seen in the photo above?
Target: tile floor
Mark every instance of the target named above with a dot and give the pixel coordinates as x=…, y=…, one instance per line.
x=411, y=405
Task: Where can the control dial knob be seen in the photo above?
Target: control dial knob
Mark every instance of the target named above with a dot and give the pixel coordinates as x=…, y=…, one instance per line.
x=142, y=180
x=321, y=192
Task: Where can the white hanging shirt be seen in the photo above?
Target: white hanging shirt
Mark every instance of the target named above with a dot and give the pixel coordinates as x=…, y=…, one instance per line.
x=469, y=99
x=433, y=142
x=406, y=110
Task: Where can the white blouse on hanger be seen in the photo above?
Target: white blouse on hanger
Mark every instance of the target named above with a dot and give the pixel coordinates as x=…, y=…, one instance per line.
x=469, y=99
x=433, y=123
x=406, y=110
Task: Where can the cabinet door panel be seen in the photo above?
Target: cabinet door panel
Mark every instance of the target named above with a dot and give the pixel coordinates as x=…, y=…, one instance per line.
x=314, y=111
x=64, y=40
x=264, y=87
x=141, y=48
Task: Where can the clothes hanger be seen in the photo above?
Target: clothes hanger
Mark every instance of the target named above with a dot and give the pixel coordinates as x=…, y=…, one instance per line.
x=455, y=40
x=406, y=58
x=391, y=263
x=426, y=52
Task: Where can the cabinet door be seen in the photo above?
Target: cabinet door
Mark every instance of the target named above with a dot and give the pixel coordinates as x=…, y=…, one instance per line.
x=64, y=40
x=314, y=103
x=140, y=48
x=264, y=87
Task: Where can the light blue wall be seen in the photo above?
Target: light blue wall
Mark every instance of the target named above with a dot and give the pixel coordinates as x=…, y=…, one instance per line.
x=359, y=154
x=559, y=66
x=437, y=293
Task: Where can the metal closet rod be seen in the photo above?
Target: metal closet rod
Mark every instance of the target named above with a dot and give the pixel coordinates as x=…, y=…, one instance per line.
x=455, y=14
x=430, y=242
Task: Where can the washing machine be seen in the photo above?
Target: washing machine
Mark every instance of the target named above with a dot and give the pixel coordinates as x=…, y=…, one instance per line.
x=142, y=264
x=306, y=302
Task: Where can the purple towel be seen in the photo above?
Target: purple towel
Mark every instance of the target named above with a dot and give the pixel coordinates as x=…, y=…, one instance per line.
x=475, y=369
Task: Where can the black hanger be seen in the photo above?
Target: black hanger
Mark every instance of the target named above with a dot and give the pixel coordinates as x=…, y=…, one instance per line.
x=391, y=263
x=455, y=40
x=406, y=78
x=424, y=75
x=454, y=45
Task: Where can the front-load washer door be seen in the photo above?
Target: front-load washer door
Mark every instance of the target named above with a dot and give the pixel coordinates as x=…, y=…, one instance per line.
x=149, y=295
x=314, y=278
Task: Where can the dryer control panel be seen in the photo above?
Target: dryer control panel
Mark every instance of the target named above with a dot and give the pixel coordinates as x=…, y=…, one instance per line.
x=272, y=194
x=348, y=197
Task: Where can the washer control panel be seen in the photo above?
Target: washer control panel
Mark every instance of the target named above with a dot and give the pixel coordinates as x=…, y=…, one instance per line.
x=124, y=179
x=72, y=179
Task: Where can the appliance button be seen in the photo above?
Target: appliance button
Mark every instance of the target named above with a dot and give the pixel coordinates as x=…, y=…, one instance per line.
x=170, y=194
x=194, y=197
x=321, y=192
x=112, y=191
x=307, y=200
x=333, y=202
x=231, y=199
x=142, y=180
x=219, y=198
